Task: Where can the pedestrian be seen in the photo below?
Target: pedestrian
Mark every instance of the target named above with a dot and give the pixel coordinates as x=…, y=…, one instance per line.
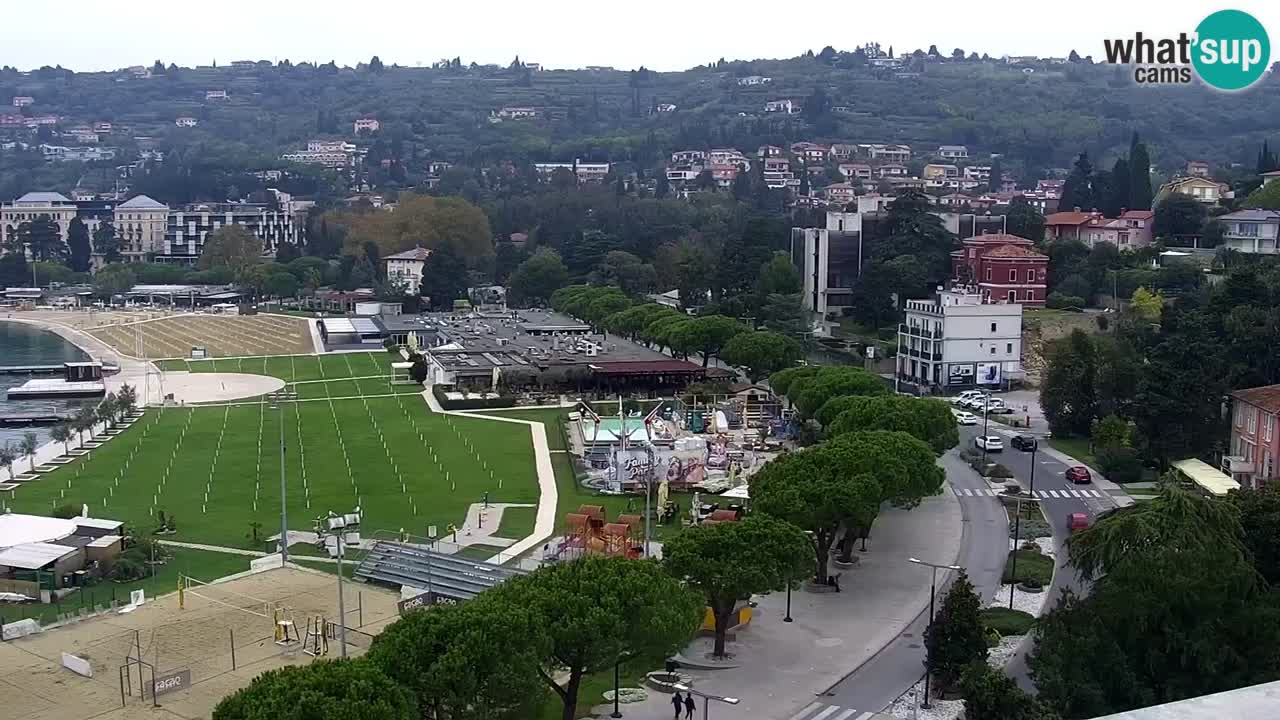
x=689, y=707
x=677, y=703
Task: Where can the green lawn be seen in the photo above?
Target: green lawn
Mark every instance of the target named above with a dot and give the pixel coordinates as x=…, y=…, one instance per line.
x=478, y=552
x=352, y=452
x=1008, y=622
x=1077, y=448
x=591, y=692
x=517, y=522
x=294, y=368
x=199, y=564
x=1032, y=565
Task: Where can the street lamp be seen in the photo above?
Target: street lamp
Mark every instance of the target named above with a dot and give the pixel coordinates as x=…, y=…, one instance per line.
x=1017, y=537
x=339, y=526
x=788, y=617
x=933, y=591
x=616, y=712
x=277, y=401
x=706, y=698
x=986, y=411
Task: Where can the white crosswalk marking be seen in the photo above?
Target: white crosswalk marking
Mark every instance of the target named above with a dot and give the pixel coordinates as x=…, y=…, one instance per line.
x=831, y=710
x=1074, y=493
x=808, y=709
x=844, y=715
x=1053, y=493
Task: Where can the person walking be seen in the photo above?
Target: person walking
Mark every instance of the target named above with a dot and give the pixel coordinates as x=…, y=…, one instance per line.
x=677, y=703
x=689, y=707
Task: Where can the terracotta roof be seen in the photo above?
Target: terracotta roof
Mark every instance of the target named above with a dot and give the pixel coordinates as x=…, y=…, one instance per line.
x=1266, y=397
x=1068, y=218
x=1137, y=215
x=997, y=239
x=1013, y=251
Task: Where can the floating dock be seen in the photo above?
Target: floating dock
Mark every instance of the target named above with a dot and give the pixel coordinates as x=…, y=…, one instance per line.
x=51, y=388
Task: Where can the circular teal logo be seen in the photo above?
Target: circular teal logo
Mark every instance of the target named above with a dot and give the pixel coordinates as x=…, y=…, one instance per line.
x=1231, y=50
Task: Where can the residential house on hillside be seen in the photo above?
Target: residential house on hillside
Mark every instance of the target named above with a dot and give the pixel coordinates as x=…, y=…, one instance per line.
x=517, y=113
x=810, y=153
x=839, y=192
x=1052, y=187
x=892, y=170
x=404, y=269
x=1205, y=190
x=688, y=156
x=768, y=151
x=841, y=152
x=1197, y=168
x=1129, y=231
x=936, y=170
x=367, y=123
x=981, y=173
x=953, y=152
x=754, y=80
x=23, y=100
x=777, y=164
x=855, y=171
x=186, y=121
x=889, y=153
x=1255, y=436
x=782, y=106
x=727, y=156
x=1004, y=268
x=1251, y=231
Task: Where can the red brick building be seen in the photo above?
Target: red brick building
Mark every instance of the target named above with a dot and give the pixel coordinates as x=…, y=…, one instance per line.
x=1004, y=267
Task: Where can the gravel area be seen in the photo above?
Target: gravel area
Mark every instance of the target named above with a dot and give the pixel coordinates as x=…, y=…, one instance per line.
x=1000, y=654
x=908, y=706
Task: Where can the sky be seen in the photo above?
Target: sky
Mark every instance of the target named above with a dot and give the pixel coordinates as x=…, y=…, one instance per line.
x=88, y=35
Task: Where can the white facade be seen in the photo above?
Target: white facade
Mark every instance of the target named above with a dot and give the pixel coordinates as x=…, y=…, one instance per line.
x=957, y=340
x=186, y=122
x=405, y=269
x=32, y=206
x=586, y=172
x=366, y=124
x=140, y=224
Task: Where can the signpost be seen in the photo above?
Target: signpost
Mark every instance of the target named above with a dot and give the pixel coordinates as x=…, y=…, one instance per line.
x=172, y=682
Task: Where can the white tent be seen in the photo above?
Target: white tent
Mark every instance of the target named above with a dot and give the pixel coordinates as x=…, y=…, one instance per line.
x=738, y=493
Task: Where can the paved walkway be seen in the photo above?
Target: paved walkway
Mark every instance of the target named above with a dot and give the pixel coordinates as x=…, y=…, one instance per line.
x=544, y=524
x=782, y=668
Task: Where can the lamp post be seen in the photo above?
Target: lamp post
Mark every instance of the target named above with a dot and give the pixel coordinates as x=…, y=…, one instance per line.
x=616, y=712
x=788, y=617
x=277, y=400
x=933, y=591
x=707, y=698
x=338, y=526
x=986, y=412
x=1017, y=536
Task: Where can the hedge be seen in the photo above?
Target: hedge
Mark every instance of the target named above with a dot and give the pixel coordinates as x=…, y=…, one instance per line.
x=1008, y=622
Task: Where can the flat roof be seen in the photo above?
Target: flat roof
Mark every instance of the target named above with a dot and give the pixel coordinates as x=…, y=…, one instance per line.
x=19, y=529
x=1214, y=482
x=97, y=523
x=1255, y=701
x=33, y=556
x=104, y=541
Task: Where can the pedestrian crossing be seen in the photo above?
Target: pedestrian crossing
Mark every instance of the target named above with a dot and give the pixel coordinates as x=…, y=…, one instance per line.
x=822, y=711
x=1044, y=494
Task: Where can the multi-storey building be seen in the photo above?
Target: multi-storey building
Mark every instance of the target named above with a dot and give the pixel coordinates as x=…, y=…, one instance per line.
x=189, y=227
x=1252, y=231
x=1255, y=436
x=1003, y=268
x=585, y=172
x=405, y=269
x=959, y=338
x=140, y=225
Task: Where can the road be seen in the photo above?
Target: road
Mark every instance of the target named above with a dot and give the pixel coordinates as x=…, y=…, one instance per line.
x=880, y=680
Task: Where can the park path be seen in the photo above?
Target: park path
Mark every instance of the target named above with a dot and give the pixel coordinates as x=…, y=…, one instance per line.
x=544, y=523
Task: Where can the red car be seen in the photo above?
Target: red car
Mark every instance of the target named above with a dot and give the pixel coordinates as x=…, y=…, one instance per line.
x=1077, y=521
x=1079, y=475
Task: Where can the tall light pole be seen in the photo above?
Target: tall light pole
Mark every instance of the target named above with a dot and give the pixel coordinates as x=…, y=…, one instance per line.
x=277, y=400
x=986, y=411
x=933, y=591
x=338, y=526
x=707, y=698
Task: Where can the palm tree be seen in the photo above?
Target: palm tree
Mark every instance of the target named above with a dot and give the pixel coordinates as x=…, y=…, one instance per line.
x=28, y=448
x=62, y=433
x=8, y=456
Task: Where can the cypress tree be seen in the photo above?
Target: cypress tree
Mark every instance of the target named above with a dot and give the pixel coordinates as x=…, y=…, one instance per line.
x=1140, y=175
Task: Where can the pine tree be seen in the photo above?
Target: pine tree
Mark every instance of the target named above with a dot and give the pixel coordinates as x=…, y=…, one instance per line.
x=1139, y=174
x=956, y=637
x=1077, y=191
x=996, y=182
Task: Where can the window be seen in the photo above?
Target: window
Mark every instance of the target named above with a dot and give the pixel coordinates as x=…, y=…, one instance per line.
x=988, y=274
x=1251, y=420
x=1268, y=426
x=1013, y=296
x=993, y=349
x=1239, y=415
x=1031, y=275
x=1031, y=296
x=1008, y=348
x=993, y=327
x=1013, y=276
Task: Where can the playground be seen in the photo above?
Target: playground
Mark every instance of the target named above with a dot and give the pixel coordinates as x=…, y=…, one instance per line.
x=223, y=634
x=354, y=438
x=220, y=335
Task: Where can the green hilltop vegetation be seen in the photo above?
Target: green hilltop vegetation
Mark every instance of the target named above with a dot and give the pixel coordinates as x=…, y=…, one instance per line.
x=1036, y=115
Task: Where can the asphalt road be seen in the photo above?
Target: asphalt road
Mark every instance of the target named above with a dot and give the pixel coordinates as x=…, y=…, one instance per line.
x=886, y=675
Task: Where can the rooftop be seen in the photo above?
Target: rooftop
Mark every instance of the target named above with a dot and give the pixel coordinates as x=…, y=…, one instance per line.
x=43, y=198
x=997, y=239
x=1266, y=397
x=1013, y=251
x=33, y=556
x=142, y=202
x=1075, y=217
x=417, y=253
x=18, y=529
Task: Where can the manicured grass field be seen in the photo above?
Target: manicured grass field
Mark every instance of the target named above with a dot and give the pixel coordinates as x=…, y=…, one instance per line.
x=340, y=375
x=216, y=469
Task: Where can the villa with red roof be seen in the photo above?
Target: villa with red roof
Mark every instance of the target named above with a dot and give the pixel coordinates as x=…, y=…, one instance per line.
x=1004, y=268
x=1129, y=231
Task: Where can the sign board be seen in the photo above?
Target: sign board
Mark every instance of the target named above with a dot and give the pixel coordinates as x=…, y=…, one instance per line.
x=77, y=665
x=989, y=373
x=959, y=374
x=425, y=600
x=172, y=682
x=199, y=353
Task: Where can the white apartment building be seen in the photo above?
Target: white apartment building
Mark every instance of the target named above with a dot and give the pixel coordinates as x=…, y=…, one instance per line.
x=186, y=121
x=365, y=124
x=405, y=269
x=32, y=206
x=189, y=227
x=956, y=340
x=140, y=224
x=586, y=172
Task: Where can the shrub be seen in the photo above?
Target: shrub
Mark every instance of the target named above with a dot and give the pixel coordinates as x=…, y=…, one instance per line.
x=1008, y=622
x=66, y=511
x=127, y=569
x=1032, y=567
x=1058, y=301
x=1120, y=464
x=999, y=471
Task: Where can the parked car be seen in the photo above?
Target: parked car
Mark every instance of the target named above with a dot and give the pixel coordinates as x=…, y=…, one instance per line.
x=1024, y=442
x=995, y=406
x=990, y=443
x=1078, y=474
x=964, y=397
x=1077, y=521
x=965, y=418
x=975, y=402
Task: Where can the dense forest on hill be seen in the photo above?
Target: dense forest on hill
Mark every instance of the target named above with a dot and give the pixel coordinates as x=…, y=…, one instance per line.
x=1038, y=115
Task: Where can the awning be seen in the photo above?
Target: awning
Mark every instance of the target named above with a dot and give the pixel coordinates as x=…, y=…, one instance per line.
x=1212, y=481
x=741, y=493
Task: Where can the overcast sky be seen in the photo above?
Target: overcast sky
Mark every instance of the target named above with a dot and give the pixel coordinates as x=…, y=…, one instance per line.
x=661, y=34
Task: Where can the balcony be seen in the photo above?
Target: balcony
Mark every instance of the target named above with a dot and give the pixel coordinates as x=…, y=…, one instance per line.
x=1236, y=464
x=919, y=331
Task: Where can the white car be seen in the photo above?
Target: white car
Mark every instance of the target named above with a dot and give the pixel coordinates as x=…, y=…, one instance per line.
x=965, y=418
x=966, y=396
x=990, y=443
